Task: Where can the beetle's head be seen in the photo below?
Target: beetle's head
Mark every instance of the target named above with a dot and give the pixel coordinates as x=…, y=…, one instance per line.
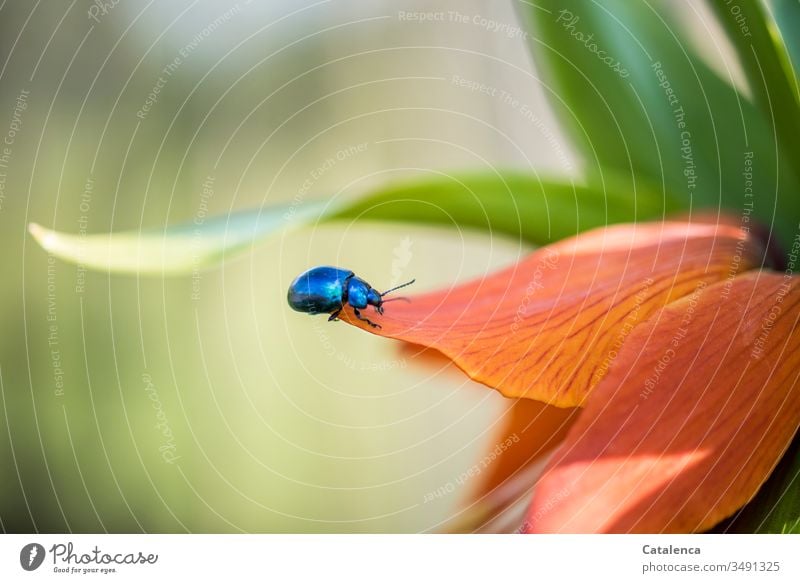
x=374, y=299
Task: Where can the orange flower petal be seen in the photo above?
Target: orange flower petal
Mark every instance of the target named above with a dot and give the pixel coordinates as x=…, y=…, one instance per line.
x=535, y=429
x=691, y=419
x=548, y=327
x=514, y=455
x=512, y=463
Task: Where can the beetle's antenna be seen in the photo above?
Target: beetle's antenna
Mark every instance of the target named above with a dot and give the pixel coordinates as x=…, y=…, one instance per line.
x=398, y=287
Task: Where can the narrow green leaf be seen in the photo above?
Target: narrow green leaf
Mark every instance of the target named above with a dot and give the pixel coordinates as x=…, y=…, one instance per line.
x=638, y=99
x=513, y=204
x=787, y=19
x=767, y=65
x=175, y=250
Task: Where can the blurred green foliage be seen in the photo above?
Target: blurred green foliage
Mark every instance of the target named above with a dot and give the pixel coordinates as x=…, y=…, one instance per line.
x=667, y=117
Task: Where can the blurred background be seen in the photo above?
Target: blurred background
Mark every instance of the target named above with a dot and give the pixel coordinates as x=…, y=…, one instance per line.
x=203, y=403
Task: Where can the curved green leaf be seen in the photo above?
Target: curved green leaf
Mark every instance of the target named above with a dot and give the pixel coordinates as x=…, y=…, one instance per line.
x=175, y=250
x=767, y=65
x=514, y=204
x=518, y=205
x=787, y=17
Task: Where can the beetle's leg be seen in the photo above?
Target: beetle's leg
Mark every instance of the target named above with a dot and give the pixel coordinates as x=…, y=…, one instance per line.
x=335, y=315
x=379, y=309
x=363, y=319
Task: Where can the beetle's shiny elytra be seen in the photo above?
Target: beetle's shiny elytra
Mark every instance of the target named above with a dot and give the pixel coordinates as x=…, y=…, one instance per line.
x=326, y=290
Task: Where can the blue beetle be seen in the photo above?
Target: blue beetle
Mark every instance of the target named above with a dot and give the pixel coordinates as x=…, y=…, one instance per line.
x=326, y=290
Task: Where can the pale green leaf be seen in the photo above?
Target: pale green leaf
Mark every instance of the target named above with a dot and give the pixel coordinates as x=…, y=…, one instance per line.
x=175, y=250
